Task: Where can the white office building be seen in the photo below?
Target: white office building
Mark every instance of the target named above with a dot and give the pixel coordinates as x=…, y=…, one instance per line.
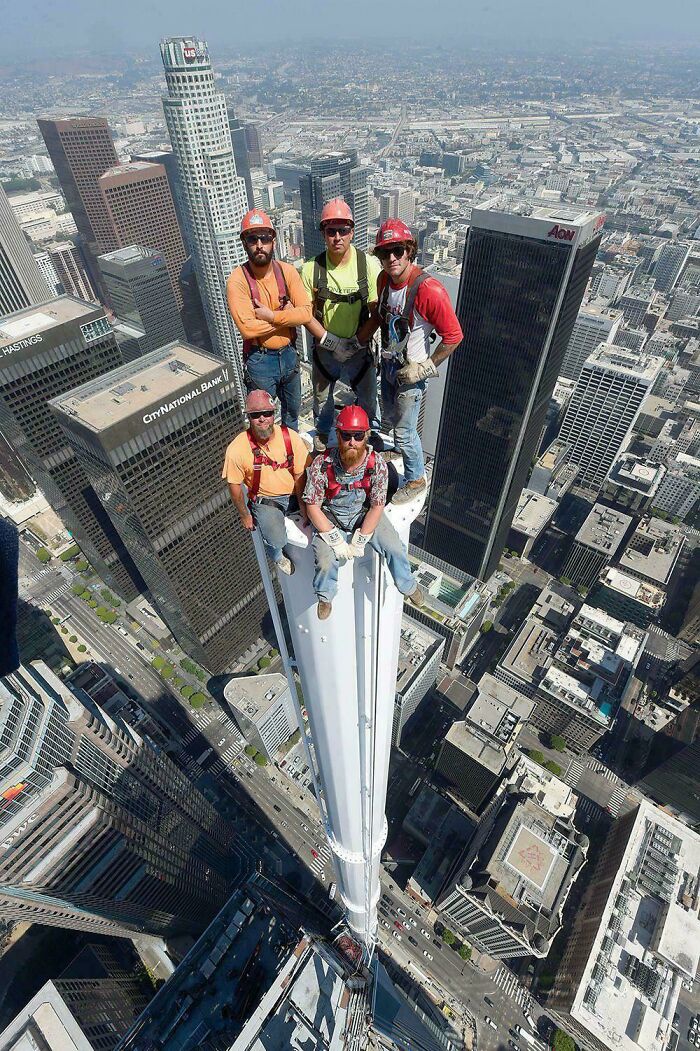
x=213, y=195
x=606, y=402
x=21, y=281
x=264, y=711
x=592, y=327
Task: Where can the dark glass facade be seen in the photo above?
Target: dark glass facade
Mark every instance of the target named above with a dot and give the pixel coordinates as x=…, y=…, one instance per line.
x=498, y=388
x=63, y=357
x=160, y=482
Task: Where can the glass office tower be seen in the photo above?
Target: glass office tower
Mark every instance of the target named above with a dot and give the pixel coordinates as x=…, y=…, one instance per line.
x=524, y=274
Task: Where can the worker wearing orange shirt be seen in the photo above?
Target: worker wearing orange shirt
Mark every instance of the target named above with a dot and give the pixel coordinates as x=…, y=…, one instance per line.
x=268, y=301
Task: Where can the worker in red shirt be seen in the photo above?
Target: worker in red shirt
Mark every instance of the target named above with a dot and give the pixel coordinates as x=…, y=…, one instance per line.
x=411, y=306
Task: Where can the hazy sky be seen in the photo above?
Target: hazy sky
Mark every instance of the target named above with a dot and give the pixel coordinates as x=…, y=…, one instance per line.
x=31, y=26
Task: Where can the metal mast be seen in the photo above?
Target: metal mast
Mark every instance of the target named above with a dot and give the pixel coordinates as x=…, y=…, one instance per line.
x=347, y=666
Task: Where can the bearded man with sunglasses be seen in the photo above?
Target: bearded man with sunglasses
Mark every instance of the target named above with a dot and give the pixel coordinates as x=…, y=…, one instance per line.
x=267, y=302
x=412, y=307
x=345, y=495
x=342, y=283
x=271, y=462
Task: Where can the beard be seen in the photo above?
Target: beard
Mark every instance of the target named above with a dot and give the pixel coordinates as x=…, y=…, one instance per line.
x=262, y=432
x=260, y=255
x=351, y=455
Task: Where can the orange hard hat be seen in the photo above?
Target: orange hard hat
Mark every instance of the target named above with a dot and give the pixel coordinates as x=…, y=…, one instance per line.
x=256, y=219
x=336, y=209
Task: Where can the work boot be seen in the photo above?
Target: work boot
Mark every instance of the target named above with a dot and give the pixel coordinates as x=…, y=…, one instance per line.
x=416, y=598
x=409, y=491
x=320, y=442
x=285, y=565
x=323, y=610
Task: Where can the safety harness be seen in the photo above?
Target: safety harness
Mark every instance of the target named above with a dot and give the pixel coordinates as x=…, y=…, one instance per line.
x=261, y=459
x=402, y=323
x=283, y=293
x=333, y=486
x=323, y=294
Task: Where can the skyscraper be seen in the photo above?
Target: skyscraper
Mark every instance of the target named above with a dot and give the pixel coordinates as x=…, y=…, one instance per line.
x=81, y=150
x=141, y=211
x=21, y=280
x=669, y=265
x=140, y=290
x=334, y=175
x=169, y=162
x=151, y=437
x=99, y=830
x=397, y=204
x=254, y=143
x=69, y=264
x=592, y=326
x=605, y=403
x=214, y=197
x=44, y=351
x=239, y=141
x=524, y=274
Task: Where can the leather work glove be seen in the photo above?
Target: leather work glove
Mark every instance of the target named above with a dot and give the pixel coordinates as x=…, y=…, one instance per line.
x=416, y=371
x=341, y=548
x=359, y=543
x=335, y=345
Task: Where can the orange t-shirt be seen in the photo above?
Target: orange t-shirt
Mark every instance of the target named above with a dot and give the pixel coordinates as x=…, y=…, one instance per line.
x=278, y=333
x=238, y=463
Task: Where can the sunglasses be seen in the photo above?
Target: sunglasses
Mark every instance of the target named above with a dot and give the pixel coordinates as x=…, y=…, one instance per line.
x=342, y=231
x=386, y=253
x=252, y=239
x=358, y=436
x=261, y=415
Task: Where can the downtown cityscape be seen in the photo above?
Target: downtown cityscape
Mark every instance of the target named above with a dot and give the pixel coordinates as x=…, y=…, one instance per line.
x=350, y=544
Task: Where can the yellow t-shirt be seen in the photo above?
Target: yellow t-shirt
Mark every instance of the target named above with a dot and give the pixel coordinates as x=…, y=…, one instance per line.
x=342, y=319
x=238, y=463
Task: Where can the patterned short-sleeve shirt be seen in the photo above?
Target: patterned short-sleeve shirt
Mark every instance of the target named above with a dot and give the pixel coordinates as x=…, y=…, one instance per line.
x=317, y=479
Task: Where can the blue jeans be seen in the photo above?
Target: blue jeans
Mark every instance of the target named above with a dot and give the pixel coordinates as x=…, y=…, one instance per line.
x=385, y=540
x=277, y=372
x=401, y=407
x=269, y=519
x=366, y=389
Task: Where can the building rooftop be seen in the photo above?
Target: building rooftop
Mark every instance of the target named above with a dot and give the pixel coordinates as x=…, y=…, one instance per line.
x=416, y=645
x=255, y=694
x=648, y=938
x=637, y=473
x=604, y=530
x=492, y=724
x=159, y=381
x=633, y=588
x=551, y=607
x=653, y=550
x=568, y=690
x=533, y=513
x=530, y=652
x=641, y=366
x=131, y=254
x=535, y=209
x=129, y=168
x=43, y=316
x=45, y=1022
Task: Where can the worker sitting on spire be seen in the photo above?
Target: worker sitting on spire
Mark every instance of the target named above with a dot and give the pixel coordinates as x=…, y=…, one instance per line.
x=271, y=461
x=411, y=306
x=267, y=300
x=345, y=495
x=342, y=283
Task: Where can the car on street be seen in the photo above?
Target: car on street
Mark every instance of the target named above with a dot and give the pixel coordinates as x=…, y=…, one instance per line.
x=490, y=1021
x=285, y=825
x=488, y=1000
x=396, y=935
x=304, y=827
x=412, y=921
x=222, y=741
x=314, y=853
x=397, y=923
x=401, y=912
x=428, y=955
x=412, y=940
x=407, y=925
x=277, y=808
x=426, y=934
x=513, y=1045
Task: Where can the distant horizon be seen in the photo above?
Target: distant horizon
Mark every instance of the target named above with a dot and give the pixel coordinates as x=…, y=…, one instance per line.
x=76, y=26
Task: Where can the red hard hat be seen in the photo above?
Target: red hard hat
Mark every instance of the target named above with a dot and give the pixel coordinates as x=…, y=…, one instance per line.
x=259, y=401
x=256, y=219
x=392, y=232
x=352, y=418
x=336, y=209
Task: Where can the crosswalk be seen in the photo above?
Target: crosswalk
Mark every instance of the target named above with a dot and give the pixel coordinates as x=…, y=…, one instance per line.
x=573, y=774
x=224, y=761
x=604, y=771
x=616, y=801
x=57, y=592
x=318, y=865
x=588, y=808
x=506, y=980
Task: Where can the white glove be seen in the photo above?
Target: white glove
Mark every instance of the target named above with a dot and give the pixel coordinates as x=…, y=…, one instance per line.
x=335, y=345
x=334, y=539
x=416, y=371
x=357, y=346
x=359, y=542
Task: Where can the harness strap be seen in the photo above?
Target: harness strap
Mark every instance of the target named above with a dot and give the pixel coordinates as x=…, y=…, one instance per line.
x=261, y=459
x=333, y=486
x=322, y=293
x=282, y=293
